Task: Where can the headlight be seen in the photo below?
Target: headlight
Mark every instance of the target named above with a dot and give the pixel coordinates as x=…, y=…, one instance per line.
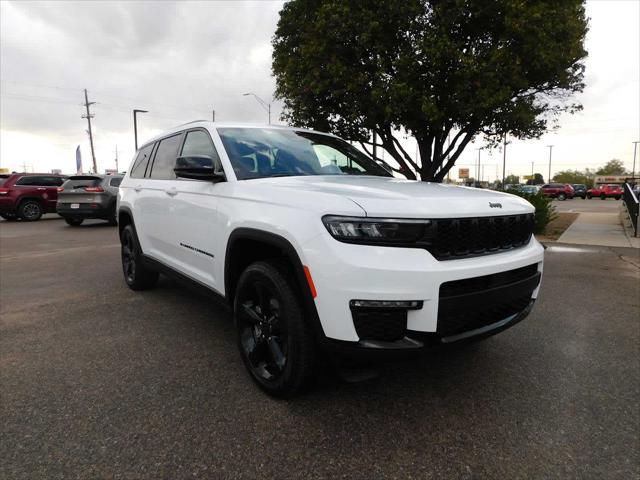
x=375, y=230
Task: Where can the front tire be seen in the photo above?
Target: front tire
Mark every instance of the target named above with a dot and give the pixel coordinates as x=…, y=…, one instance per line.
x=618, y=197
x=562, y=196
x=136, y=275
x=589, y=196
x=74, y=222
x=30, y=211
x=276, y=343
x=9, y=217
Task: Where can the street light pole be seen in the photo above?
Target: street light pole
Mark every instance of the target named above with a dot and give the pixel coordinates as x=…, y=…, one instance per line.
x=633, y=169
x=550, y=150
x=135, y=124
x=478, y=167
x=265, y=105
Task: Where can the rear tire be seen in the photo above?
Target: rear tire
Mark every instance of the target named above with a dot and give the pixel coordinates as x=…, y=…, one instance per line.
x=136, y=275
x=562, y=196
x=589, y=196
x=276, y=343
x=74, y=222
x=603, y=196
x=618, y=197
x=30, y=211
x=113, y=217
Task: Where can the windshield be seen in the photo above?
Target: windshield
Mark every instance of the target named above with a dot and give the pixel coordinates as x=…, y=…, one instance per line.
x=271, y=152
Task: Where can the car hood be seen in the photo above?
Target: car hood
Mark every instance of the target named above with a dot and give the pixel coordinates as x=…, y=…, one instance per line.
x=387, y=196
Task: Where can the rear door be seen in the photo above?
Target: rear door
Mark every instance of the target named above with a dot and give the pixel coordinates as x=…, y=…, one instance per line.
x=155, y=200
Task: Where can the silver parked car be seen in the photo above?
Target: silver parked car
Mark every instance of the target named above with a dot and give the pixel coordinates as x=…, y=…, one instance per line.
x=88, y=196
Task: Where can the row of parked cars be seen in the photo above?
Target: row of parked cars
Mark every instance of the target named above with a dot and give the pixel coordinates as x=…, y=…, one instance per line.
x=28, y=196
x=563, y=191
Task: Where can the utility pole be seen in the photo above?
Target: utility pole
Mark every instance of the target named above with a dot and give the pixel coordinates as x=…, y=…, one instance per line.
x=504, y=158
x=550, y=147
x=89, y=116
x=213, y=115
x=633, y=170
x=117, y=170
x=531, y=170
x=478, y=166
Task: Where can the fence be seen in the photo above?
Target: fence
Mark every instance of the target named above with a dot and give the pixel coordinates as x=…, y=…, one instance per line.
x=631, y=202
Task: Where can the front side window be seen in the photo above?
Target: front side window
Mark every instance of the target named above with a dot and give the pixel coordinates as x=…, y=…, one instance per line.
x=165, y=158
x=198, y=142
x=271, y=152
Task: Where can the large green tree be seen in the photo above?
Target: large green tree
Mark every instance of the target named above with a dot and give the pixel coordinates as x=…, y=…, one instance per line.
x=612, y=167
x=432, y=69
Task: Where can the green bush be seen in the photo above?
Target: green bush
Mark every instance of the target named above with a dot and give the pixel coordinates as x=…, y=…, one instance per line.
x=545, y=211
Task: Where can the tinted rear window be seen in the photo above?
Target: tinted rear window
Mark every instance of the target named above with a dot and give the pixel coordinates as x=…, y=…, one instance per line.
x=115, y=182
x=80, y=182
x=140, y=164
x=3, y=178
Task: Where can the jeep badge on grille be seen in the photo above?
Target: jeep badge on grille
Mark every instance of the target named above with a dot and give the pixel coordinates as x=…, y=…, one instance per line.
x=495, y=205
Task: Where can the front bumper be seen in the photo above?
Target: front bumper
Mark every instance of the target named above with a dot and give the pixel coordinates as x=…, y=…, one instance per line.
x=344, y=272
x=418, y=342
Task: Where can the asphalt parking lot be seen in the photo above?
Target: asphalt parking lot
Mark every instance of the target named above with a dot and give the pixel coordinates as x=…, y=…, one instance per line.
x=98, y=381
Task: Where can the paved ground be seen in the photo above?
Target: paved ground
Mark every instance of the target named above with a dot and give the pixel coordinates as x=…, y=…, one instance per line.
x=101, y=382
x=610, y=205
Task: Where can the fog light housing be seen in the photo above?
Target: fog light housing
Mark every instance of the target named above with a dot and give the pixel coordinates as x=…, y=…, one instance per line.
x=403, y=304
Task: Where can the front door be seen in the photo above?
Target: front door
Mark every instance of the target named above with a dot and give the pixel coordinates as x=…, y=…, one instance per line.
x=195, y=215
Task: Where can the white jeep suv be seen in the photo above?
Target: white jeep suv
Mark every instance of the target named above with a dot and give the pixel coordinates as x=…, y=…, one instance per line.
x=316, y=247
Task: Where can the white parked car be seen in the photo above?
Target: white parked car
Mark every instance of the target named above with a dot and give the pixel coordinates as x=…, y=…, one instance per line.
x=319, y=249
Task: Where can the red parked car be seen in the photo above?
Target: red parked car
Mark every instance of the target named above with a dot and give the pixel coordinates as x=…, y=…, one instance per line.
x=28, y=195
x=561, y=191
x=605, y=191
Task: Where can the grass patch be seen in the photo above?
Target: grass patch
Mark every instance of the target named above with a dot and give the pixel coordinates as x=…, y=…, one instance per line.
x=557, y=226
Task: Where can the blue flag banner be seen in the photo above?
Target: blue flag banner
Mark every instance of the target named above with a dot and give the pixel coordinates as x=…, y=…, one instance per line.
x=78, y=160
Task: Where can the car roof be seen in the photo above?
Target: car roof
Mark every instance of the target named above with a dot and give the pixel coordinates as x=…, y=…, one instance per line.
x=210, y=124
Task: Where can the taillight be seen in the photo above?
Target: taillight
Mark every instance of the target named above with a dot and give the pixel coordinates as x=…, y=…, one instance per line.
x=94, y=189
x=4, y=191
x=60, y=189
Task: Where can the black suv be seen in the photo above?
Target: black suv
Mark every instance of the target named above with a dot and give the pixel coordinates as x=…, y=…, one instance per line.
x=580, y=190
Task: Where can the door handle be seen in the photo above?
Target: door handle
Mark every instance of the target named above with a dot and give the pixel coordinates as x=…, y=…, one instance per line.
x=137, y=188
x=171, y=191
x=41, y=188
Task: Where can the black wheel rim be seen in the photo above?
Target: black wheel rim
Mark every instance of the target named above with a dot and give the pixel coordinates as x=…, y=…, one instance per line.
x=263, y=337
x=31, y=211
x=128, y=257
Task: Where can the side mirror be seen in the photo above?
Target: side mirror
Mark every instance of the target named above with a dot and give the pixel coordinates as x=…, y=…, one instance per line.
x=198, y=167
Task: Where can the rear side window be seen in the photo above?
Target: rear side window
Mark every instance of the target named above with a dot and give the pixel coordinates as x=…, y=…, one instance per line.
x=198, y=142
x=40, y=181
x=77, y=182
x=115, y=182
x=165, y=158
x=140, y=164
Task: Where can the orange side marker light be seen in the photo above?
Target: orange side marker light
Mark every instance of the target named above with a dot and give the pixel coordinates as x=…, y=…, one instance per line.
x=312, y=287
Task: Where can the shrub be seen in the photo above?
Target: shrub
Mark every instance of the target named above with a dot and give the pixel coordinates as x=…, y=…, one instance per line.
x=545, y=211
